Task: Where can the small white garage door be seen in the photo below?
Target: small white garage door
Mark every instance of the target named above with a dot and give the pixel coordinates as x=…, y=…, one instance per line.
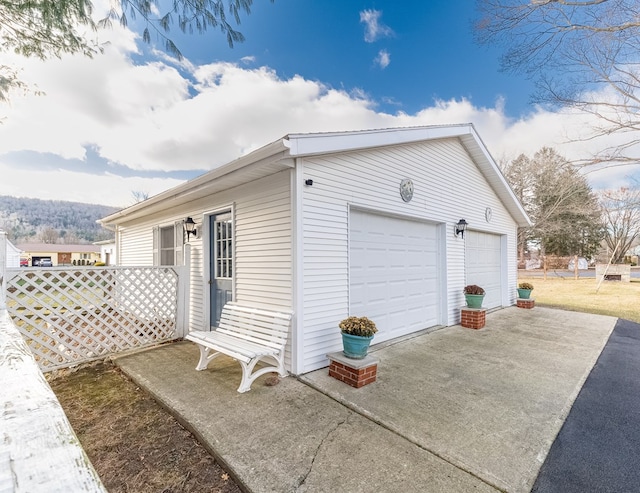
x=393, y=273
x=484, y=265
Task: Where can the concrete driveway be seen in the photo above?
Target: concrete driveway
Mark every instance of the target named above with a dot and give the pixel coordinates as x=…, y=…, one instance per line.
x=452, y=410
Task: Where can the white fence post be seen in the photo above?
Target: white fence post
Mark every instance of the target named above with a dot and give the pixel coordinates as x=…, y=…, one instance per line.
x=184, y=294
x=3, y=270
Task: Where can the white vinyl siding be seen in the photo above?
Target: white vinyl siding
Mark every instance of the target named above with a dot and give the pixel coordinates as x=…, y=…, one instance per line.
x=447, y=186
x=136, y=245
x=263, y=273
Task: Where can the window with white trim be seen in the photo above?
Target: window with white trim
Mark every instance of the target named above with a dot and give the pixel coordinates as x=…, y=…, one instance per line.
x=167, y=244
x=167, y=247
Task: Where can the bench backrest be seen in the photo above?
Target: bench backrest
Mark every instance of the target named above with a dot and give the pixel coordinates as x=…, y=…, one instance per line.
x=256, y=325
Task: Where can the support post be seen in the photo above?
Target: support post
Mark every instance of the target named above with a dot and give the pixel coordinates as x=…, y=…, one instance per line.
x=473, y=318
x=184, y=293
x=354, y=372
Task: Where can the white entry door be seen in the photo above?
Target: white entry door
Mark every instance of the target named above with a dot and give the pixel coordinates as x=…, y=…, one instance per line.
x=393, y=276
x=484, y=265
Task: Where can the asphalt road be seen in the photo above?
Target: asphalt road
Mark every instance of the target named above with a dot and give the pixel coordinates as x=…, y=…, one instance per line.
x=598, y=447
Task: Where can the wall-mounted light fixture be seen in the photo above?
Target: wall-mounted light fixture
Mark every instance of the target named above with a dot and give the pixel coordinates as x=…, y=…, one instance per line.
x=461, y=227
x=190, y=227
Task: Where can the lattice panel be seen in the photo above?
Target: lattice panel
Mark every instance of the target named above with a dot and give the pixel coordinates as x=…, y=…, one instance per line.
x=69, y=316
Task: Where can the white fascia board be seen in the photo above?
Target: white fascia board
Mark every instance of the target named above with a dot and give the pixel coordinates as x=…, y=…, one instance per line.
x=480, y=154
x=266, y=153
x=331, y=142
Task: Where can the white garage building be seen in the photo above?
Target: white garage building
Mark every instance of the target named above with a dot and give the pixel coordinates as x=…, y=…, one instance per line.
x=328, y=225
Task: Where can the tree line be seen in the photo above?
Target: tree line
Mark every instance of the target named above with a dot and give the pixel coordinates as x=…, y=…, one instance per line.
x=568, y=217
x=52, y=221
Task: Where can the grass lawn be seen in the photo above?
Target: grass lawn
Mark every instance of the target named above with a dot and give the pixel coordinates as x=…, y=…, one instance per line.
x=619, y=299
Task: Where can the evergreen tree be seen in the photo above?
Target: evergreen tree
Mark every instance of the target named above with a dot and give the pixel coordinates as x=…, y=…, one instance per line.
x=564, y=210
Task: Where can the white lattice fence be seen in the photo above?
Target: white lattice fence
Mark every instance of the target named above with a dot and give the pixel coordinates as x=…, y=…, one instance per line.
x=69, y=316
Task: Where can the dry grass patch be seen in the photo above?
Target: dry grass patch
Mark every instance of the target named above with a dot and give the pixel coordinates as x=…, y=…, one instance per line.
x=618, y=299
x=134, y=444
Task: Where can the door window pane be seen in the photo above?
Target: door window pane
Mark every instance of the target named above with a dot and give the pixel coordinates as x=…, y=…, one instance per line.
x=224, y=249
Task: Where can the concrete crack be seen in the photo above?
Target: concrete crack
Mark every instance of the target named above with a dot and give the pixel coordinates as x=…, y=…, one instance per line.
x=317, y=451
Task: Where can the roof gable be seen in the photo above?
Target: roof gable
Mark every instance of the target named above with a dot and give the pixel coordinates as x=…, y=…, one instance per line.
x=280, y=155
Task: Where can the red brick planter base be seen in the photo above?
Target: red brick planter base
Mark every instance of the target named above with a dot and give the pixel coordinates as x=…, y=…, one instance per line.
x=525, y=303
x=354, y=372
x=473, y=318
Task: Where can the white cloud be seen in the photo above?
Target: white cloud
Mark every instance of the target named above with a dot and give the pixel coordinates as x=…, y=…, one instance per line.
x=383, y=59
x=167, y=116
x=88, y=188
x=373, y=28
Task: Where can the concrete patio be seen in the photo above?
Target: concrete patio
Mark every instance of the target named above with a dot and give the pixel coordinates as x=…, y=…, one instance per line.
x=452, y=410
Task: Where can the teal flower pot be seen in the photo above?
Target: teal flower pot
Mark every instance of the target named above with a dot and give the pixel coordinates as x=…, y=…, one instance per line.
x=355, y=347
x=524, y=293
x=474, y=300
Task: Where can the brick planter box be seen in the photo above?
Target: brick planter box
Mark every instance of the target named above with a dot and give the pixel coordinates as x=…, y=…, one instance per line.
x=473, y=318
x=354, y=372
x=525, y=303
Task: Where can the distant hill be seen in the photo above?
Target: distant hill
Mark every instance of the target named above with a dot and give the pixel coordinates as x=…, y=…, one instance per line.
x=52, y=221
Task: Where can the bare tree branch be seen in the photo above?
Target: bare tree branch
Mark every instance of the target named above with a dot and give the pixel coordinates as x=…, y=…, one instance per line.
x=584, y=55
x=621, y=216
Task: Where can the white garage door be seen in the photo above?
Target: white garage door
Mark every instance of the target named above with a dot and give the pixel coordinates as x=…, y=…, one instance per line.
x=393, y=274
x=484, y=265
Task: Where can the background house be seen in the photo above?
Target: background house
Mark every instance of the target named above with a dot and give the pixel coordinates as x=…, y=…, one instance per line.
x=107, y=251
x=336, y=224
x=60, y=254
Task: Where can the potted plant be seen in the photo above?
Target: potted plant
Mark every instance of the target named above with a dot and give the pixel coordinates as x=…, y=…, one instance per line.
x=357, y=333
x=524, y=290
x=473, y=295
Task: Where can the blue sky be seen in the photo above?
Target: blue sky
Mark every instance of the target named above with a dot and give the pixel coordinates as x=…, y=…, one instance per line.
x=136, y=119
x=430, y=46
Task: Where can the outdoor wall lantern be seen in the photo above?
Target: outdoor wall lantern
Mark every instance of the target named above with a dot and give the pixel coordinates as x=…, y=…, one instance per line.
x=190, y=227
x=461, y=227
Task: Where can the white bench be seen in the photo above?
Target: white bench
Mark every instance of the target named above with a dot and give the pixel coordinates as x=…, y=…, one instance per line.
x=249, y=335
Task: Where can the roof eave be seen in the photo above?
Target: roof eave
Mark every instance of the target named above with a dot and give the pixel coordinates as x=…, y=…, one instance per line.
x=489, y=168
x=159, y=202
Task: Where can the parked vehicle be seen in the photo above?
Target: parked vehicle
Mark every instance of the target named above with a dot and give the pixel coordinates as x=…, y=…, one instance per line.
x=24, y=262
x=45, y=262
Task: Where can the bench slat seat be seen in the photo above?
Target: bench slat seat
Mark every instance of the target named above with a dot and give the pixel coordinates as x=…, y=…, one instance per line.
x=248, y=335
